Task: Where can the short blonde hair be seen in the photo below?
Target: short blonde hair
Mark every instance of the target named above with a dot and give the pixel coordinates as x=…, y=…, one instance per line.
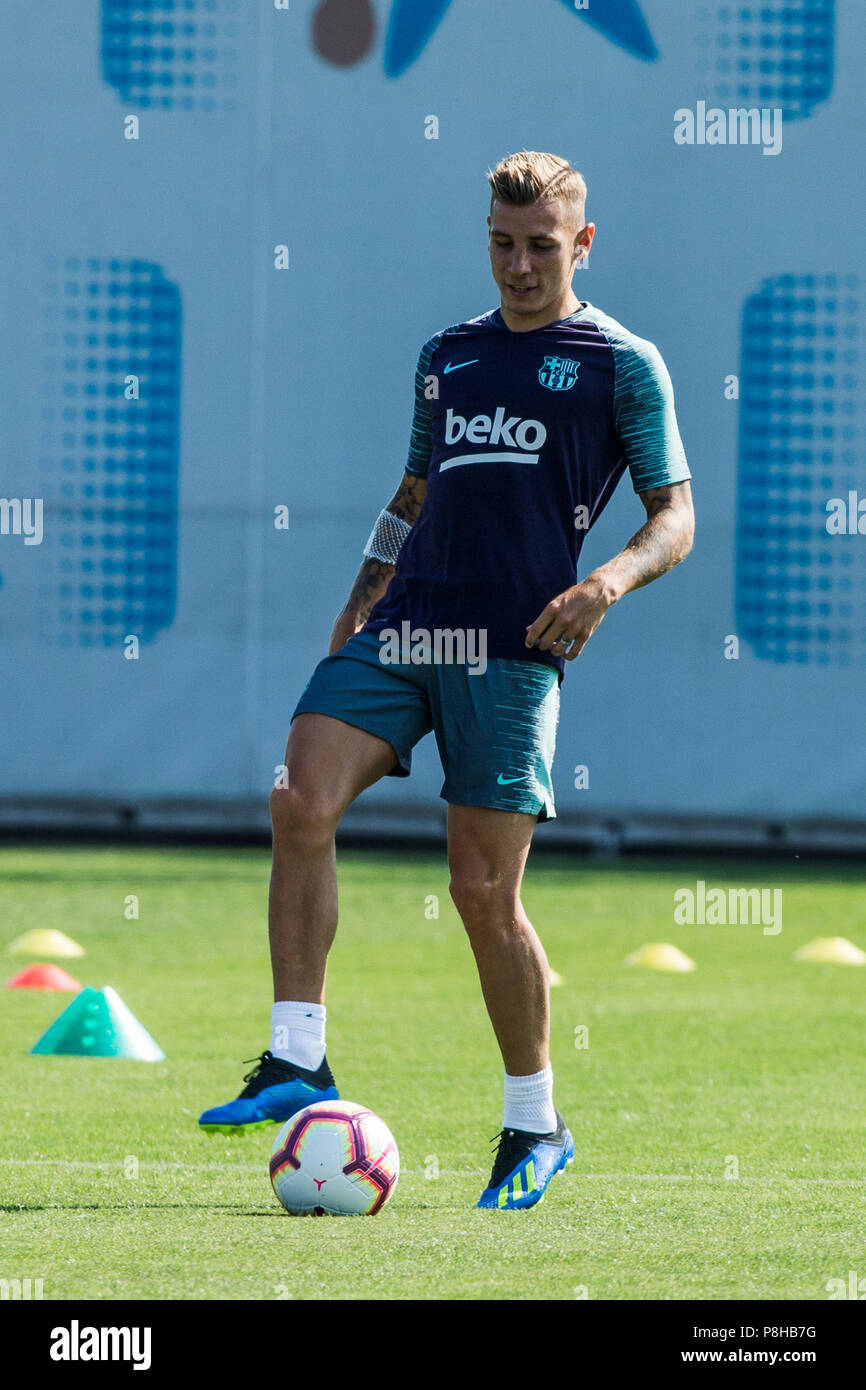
x=530, y=176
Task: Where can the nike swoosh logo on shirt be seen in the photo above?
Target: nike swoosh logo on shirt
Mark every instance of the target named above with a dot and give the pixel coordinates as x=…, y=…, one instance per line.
x=455, y=366
x=503, y=781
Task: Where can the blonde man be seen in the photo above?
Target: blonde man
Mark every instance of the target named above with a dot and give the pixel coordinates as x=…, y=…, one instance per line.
x=461, y=620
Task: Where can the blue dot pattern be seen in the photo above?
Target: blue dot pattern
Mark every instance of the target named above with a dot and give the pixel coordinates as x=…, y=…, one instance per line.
x=111, y=462
x=171, y=54
x=800, y=590
x=769, y=55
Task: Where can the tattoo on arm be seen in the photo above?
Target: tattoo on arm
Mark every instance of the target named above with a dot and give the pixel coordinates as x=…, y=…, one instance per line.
x=374, y=576
x=407, y=500
x=665, y=539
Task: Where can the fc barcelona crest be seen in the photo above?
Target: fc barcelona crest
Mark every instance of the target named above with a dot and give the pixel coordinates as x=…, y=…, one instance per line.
x=558, y=373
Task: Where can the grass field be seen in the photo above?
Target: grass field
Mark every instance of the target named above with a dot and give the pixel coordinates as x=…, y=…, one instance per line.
x=753, y=1064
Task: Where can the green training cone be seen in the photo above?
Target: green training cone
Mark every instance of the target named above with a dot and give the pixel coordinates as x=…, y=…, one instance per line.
x=98, y=1024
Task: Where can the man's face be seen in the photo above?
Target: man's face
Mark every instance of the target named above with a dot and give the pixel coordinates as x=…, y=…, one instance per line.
x=533, y=256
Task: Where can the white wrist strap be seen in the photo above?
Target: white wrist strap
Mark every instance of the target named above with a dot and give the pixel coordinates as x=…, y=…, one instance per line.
x=386, y=538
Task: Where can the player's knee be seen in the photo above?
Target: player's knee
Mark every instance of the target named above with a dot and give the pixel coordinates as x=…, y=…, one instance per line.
x=479, y=895
x=296, y=815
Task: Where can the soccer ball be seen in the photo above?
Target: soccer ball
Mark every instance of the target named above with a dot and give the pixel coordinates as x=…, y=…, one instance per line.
x=334, y=1158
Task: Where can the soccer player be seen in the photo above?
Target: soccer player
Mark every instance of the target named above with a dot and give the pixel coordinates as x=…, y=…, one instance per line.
x=462, y=617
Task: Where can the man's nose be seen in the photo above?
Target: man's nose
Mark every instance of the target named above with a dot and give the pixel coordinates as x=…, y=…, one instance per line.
x=520, y=262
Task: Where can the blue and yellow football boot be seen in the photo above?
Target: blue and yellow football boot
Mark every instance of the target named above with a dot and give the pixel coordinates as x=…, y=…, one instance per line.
x=275, y=1091
x=524, y=1165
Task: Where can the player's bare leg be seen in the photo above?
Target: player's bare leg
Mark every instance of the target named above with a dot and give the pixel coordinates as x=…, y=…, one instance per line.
x=487, y=853
x=329, y=763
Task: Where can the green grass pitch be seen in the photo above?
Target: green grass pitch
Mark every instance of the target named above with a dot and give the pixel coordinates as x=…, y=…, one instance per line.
x=718, y=1115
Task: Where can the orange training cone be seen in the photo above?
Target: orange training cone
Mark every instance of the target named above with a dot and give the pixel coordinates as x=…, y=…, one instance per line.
x=43, y=977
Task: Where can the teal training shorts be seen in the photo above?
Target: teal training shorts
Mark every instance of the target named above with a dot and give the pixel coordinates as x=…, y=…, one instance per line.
x=495, y=730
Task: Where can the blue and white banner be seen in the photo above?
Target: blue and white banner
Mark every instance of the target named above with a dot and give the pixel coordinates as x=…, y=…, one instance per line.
x=228, y=228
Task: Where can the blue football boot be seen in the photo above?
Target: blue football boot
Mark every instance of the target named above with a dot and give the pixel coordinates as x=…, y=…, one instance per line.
x=524, y=1166
x=275, y=1091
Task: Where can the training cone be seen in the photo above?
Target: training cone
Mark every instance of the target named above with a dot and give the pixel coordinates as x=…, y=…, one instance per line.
x=98, y=1024
x=555, y=978
x=45, y=941
x=837, y=950
x=660, y=955
x=43, y=977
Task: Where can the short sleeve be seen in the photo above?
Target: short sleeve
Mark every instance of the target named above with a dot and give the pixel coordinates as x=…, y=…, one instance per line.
x=645, y=417
x=420, y=441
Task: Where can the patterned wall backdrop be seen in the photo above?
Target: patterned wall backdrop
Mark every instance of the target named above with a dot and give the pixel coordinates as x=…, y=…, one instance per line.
x=769, y=54
x=112, y=416
x=228, y=229
x=171, y=54
x=801, y=587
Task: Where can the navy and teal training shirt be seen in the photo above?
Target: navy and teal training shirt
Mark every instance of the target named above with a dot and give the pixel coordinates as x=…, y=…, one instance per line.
x=522, y=437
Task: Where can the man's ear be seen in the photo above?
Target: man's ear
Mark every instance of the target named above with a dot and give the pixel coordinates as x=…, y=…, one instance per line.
x=583, y=229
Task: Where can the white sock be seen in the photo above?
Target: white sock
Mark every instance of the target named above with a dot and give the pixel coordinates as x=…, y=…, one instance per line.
x=529, y=1102
x=298, y=1033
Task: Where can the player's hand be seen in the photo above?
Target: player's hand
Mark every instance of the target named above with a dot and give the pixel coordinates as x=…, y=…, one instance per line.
x=569, y=620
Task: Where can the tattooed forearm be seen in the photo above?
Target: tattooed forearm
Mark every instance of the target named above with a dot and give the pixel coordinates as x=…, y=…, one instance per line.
x=659, y=545
x=664, y=540
x=406, y=502
x=373, y=579
x=374, y=576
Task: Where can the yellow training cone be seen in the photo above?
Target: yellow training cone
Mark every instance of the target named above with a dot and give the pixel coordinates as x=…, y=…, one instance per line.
x=836, y=949
x=660, y=955
x=45, y=941
x=555, y=978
